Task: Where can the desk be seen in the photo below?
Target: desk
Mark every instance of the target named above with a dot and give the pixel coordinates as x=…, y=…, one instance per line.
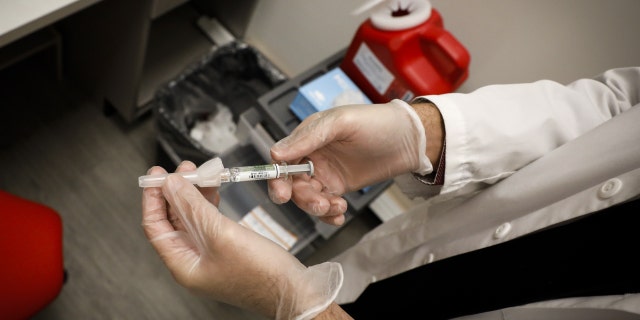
x=19, y=18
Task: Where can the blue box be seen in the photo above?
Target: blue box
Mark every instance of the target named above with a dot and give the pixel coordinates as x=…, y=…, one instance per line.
x=332, y=89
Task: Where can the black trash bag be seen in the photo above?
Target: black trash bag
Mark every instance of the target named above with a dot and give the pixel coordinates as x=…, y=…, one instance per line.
x=232, y=76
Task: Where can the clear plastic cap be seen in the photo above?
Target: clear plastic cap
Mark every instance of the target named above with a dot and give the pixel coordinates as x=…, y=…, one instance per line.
x=207, y=175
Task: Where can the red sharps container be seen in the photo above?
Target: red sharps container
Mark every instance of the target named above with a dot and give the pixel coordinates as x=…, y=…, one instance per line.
x=403, y=50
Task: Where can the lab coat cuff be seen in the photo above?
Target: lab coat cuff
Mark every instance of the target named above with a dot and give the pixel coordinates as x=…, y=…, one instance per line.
x=456, y=140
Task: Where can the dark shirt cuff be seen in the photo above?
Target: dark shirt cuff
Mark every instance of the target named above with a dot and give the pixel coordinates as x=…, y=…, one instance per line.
x=437, y=176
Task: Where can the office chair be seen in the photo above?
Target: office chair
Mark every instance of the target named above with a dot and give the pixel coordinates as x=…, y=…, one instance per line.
x=31, y=259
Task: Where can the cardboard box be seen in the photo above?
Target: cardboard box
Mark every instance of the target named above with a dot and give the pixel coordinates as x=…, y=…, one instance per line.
x=332, y=89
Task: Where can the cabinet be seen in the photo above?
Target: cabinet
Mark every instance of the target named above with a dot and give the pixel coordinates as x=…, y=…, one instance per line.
x=121, y=51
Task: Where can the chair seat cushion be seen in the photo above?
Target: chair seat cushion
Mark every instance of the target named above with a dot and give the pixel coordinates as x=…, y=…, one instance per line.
x=32, y=270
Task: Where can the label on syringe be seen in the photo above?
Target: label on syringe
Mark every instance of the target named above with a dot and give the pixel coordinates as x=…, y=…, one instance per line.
x=262, y=172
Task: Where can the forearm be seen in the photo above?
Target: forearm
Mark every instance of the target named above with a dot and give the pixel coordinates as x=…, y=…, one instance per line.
x=333, y=312
x=434, y=129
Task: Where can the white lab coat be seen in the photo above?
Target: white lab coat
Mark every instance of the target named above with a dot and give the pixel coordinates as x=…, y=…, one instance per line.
x=519, y=158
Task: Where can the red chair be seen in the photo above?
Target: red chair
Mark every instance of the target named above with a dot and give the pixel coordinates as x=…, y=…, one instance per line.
x=31, y=261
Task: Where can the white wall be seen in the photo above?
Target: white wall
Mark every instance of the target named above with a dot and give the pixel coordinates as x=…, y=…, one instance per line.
x=509, y=40
x=519, y=41
x=297, y=34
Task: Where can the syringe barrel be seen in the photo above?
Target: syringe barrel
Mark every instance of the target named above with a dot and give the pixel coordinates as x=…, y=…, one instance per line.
x=251, y=173
x=267, y=171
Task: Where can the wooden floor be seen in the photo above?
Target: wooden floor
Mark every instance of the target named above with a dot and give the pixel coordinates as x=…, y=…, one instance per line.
x=58, y=148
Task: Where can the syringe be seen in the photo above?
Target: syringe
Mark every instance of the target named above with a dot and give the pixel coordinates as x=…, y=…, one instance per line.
x=212, y=173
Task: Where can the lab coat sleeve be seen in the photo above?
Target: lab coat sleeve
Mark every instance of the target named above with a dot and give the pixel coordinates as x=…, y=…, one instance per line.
x=496, y=130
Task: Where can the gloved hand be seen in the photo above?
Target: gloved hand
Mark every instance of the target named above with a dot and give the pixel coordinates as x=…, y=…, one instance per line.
x=213, y=255
x=351, y=147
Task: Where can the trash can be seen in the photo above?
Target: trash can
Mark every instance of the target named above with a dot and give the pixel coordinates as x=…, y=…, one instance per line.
x=225, y=86
x=211, y=94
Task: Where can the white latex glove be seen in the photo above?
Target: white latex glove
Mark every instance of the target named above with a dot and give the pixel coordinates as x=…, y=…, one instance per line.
x=213, y=255
x=351, y=147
